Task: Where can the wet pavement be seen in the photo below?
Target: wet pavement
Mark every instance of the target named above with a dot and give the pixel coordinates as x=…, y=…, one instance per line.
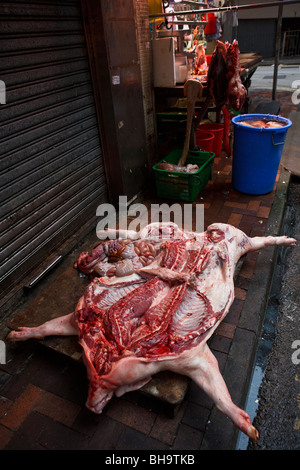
x=287, y=79
x=278, y=417
x=43, y=393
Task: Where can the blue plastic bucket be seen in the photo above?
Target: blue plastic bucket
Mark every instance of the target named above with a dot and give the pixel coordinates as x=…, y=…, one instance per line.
x=257, y=153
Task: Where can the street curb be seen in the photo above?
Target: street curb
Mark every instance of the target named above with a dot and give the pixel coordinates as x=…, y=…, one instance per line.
x=220, y=434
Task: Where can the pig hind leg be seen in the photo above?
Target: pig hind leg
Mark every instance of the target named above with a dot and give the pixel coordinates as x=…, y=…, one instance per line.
x=63, y=326
x=207, y=375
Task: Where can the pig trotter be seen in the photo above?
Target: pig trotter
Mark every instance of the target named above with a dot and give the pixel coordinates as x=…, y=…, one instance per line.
x=252, y=432
x=23, y=333
x=256, y=243
x=205, y=372
x=63, y=326
x=243, y=423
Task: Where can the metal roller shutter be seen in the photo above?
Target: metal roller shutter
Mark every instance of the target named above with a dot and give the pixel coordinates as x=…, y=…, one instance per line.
x=52, y=174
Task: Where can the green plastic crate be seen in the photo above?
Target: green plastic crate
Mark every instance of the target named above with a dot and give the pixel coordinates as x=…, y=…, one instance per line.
x=171, y=118
x=183, y=186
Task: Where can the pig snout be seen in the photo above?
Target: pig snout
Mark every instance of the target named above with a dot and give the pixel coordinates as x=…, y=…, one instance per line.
x=98, y=399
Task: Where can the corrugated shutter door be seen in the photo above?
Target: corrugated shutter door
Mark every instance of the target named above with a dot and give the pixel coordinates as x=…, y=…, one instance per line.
x=52, y=174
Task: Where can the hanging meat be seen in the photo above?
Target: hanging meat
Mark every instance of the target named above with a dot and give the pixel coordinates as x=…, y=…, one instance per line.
x=160, y=315
x=200, y=65
x=225, y=85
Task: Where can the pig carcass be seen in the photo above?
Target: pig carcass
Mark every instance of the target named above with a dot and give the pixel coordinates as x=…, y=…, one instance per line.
x=159, y=314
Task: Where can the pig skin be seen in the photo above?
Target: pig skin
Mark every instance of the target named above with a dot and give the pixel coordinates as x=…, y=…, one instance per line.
x=166, y=331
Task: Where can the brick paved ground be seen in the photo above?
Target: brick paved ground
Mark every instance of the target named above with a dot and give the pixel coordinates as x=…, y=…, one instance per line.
x=42, y=393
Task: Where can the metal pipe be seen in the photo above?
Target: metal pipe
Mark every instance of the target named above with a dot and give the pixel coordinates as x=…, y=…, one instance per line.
x=191, y=2
x=201, y=23
x=277, y=50
x=226, y=9
x=44, y=272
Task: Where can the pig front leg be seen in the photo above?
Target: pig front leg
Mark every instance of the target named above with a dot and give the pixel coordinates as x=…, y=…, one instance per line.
x=63, y=326
x=256, y=243
x=205, y=373
x=244, y=244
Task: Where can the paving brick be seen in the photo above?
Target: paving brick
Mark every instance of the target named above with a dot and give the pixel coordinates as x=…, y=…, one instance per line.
x=223, y=215
x=56, y=436
x=187, y=438
x=198, y=396
x=220, y=343
x=131, y=439
x=39, y=432
x=247, y=223
x=221, y=358
x=216, y=206
x=263, y=212
x=240, y=293
x=36, y=373
x=253, y=205
x=5, y=404
x=240, y=197
x=195, y=416
x=226, y=170
x=235, y=219
x=226, y=329
x=106, y=434
x=27, y=436
x=17, y=356
x=22, y=407
x=4, y=378
x=15, y=385
x=247, y=269
x=165, y=429
x=5, y=436
x=242, y=282
x=238, y=205
x=258, y=230
x=132, y=415
x=87, y=422
x=235, y=311
x=61, y=376
x=58, y=408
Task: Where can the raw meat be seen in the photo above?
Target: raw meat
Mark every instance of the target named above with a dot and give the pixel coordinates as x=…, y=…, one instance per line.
x=236, y=92
x=181, y=169
x=263, y=124
x=161, y=316
x=200, y=66
x=224, y=83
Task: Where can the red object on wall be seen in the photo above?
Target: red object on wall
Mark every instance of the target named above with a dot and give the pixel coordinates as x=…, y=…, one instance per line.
x=211, y=28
